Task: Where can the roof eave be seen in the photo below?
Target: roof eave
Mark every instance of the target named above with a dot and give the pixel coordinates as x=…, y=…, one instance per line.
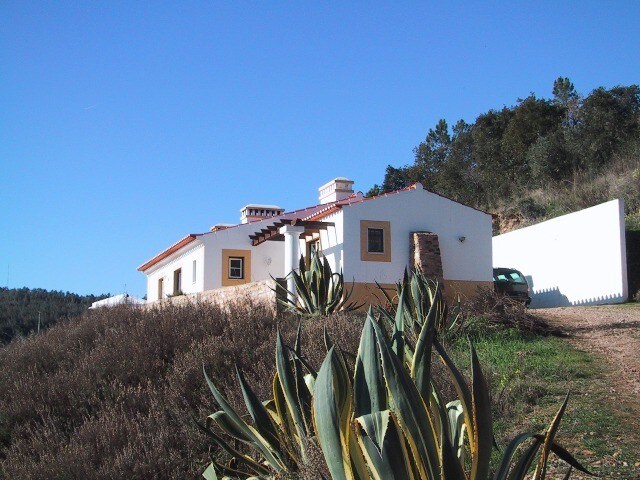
x=169, y=251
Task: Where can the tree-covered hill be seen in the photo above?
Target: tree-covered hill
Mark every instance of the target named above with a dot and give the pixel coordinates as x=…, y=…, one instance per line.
x=20, y=309
x=536, y=159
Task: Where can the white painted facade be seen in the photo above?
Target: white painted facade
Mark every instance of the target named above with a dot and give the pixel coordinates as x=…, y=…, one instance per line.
x=183, y=259
x=418, y=210
x=575, y=259
x=407, y=211
x=266, y=259
x=332, y=242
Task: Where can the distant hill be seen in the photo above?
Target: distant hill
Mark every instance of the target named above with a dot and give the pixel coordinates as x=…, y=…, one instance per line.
x=20, y=309
x=537, y=159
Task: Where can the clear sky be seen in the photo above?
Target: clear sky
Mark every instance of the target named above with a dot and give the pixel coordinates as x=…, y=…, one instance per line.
x=127, y=125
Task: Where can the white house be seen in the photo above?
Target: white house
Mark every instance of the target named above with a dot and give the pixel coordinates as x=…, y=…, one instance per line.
x=368, y=239
x=121, y=299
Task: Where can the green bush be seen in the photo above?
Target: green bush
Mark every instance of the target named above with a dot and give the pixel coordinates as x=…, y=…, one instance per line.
x=385, y=420
x=318, y=290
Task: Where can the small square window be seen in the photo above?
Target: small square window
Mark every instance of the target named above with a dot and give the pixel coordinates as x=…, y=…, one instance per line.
x=375, y=240
x=236, y=267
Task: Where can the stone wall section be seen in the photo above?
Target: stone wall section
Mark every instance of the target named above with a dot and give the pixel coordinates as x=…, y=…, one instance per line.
x=255, y=292
x=425, y=255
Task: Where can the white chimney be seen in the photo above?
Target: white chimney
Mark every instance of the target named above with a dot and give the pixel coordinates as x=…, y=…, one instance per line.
x=335, y=190
x=252, y=212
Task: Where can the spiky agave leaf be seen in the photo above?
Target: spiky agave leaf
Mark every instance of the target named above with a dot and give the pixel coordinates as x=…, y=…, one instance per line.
x=482, y=421
x=541, y=468
x=413, y=416
x=457, y=428
x=369, y=389
x=332, y=411
x=287, y=381
x=254, y=466
x=303, y=393
x=421, y=364
x=268, y=450
x=317, y=290
x=383, y=446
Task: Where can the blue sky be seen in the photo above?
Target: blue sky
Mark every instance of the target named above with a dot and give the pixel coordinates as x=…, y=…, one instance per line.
x=126, y=125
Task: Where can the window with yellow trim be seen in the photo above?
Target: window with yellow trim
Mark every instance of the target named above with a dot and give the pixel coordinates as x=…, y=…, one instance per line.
x=375, y=241
x=236, y=268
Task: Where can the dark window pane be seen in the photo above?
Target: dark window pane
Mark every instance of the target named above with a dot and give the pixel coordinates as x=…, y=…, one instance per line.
x=375, y=240
x=236, y=267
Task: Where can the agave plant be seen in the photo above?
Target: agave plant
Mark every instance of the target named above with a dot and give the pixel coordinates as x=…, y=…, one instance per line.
x=318, y=290
x=417, y=294
x=387, y=420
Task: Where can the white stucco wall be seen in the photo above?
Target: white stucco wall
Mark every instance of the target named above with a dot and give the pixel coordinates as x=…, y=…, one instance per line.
x=575, y=259
x=267, y=258
x=182, y=259
x=331, y=241
x=408, y=211
x=414, y=211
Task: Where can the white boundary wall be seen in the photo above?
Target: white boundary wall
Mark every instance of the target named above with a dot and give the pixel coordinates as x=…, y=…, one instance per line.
x=576, y=259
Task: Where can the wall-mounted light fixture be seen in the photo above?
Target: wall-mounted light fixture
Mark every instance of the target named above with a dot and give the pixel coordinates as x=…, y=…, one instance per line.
x=462, y=239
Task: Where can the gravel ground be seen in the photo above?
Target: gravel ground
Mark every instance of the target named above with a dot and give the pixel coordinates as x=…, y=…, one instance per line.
x=611, y=332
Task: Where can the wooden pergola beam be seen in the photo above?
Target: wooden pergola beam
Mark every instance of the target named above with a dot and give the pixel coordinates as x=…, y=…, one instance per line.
x=272, y=232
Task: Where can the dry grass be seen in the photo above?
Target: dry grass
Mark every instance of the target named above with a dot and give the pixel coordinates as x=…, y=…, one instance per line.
x=110, y=394
x=490, y=310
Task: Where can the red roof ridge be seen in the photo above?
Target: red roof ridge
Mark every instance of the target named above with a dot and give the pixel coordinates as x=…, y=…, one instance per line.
x=324, y=212
x=413, y=186
x=168, y=251
x=358, y=197
x=329, y=205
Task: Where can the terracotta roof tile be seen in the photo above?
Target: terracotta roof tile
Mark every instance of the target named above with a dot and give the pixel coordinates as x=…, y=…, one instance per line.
x=172, y=249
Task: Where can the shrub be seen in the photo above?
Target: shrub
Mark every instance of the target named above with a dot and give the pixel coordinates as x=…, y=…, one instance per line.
x=318, y=290
x=96, y=397
x=416, y=294
x=490, y=309
x=111, y=394
x=389, y=422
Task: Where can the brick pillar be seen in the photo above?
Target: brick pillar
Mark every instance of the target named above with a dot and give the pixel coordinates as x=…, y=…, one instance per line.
x=425, y=255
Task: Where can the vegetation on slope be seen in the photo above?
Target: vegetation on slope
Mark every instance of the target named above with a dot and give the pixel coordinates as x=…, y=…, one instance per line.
x=530, y=374
x=382, y=417
x=110, y=394
x=22, y=308
x=537, y=159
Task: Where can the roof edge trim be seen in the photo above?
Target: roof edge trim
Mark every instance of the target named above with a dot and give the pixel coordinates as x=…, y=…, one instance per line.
x=169, y=251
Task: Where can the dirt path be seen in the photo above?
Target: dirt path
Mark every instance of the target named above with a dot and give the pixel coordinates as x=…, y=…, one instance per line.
x=610, y=332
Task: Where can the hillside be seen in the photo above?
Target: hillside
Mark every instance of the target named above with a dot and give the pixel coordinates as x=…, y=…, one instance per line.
x=21, y=309
x=537, y=159
x=112, y=393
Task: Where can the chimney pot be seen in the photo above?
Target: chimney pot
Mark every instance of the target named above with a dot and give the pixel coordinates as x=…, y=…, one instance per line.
x=250, y=213
x=335, y=190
